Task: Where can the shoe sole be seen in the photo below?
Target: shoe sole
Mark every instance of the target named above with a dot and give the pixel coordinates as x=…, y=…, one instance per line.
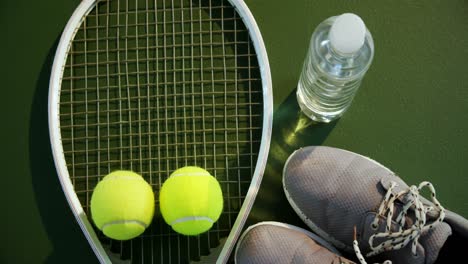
x=322, y=242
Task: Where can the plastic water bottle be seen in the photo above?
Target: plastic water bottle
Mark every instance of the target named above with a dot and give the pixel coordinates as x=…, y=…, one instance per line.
x=340, y=53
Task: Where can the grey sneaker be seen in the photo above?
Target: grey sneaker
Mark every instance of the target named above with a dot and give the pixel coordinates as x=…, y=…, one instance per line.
x=334, y=190
x=274, y=242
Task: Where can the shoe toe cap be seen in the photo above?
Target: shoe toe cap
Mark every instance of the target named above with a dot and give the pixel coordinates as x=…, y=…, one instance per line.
x=268, y=243
x=332, y=189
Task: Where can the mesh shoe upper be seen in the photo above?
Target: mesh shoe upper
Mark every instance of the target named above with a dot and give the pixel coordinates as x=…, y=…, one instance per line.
x=334, y=190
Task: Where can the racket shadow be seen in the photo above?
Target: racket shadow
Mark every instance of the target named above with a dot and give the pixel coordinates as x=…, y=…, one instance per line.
x=59, y=223
x=291, y=130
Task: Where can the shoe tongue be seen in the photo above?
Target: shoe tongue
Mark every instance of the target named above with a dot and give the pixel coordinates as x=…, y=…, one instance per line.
x=428, y=248
x=339, y=260
x=432, y=240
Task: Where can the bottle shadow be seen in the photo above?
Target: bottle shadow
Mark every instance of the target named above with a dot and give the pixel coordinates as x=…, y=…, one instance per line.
x=291, y=131
x=59, y=223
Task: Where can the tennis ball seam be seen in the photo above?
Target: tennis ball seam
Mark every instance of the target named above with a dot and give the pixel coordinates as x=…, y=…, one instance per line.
x=191, y=218
x=119, y=222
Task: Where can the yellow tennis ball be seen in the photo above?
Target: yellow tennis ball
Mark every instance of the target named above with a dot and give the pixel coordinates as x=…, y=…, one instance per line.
x=191, y=200
x=122, y=205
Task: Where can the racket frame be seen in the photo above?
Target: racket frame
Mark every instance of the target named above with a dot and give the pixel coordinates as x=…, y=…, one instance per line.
x=61, y=55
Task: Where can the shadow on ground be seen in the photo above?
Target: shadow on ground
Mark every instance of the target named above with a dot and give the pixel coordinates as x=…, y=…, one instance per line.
x=69, y=244
x=291, y=131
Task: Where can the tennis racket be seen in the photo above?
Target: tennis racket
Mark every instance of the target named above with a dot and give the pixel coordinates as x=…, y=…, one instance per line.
x=152, y=86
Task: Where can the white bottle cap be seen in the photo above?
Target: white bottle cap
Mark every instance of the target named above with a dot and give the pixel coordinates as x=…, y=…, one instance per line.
x=347, y=34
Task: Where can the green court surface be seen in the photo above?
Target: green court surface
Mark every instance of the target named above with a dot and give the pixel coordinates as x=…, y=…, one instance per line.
x=411, y=113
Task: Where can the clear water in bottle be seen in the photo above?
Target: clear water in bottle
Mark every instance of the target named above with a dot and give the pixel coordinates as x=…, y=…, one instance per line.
x=335, y=65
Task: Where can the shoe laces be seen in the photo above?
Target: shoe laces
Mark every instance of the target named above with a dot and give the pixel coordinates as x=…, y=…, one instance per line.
x=401, y=238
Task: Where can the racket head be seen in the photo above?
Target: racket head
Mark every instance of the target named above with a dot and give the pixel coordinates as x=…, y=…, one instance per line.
x=56, y=94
